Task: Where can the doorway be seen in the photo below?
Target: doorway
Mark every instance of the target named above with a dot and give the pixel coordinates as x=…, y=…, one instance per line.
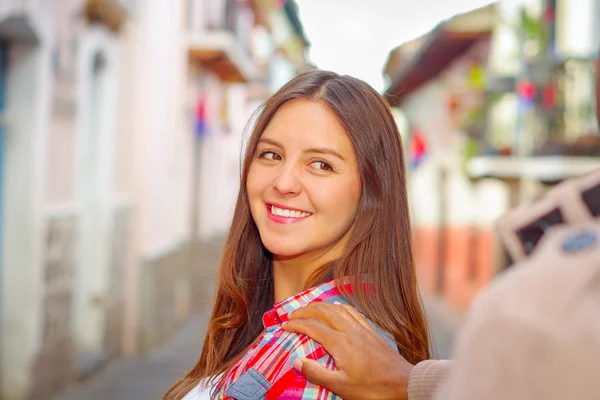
x=96, y=130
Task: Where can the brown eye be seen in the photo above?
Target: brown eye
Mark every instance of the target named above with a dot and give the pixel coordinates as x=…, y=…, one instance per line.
x=322, y=165
x=270, y=155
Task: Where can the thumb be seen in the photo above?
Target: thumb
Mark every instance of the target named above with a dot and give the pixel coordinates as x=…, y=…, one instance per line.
x=318, y=374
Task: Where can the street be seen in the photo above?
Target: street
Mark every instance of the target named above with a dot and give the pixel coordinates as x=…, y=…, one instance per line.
x=146, y=377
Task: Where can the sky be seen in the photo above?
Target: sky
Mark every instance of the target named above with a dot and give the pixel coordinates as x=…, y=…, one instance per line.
x=354, y=37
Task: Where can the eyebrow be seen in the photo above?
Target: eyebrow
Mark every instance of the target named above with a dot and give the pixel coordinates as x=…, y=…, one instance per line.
x=318, y=150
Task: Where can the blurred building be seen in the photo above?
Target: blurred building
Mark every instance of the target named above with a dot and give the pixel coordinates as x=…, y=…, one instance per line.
x=120, y=134
x=499, y=104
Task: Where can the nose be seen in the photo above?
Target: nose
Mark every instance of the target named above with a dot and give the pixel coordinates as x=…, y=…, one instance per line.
x=287, y=181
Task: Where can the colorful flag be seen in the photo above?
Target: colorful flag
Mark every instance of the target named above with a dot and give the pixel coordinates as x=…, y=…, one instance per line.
x=418, y=148
x=201, y=125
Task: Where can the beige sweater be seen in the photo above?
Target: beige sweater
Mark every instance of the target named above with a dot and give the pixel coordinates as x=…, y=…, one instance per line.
x=533, y=334
x=425, y=378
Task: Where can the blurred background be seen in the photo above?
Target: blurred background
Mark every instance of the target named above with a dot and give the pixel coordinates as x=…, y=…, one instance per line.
x=121, y=128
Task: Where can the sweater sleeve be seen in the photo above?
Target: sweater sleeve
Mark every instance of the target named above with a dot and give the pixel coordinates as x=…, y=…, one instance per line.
x=426, y=377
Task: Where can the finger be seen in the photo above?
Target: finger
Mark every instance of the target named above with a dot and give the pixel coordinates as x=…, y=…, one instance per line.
x=349, y=313
x=361, y=319
x=327, y=313
x=353, y=316
x=319, y=375
x=314, y=329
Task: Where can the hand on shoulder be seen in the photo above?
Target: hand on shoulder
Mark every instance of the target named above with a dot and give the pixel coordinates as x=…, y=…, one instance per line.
x=366, y=366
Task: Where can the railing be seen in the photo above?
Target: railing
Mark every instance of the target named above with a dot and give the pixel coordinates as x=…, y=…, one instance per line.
x=211, y=15
x=219, y=20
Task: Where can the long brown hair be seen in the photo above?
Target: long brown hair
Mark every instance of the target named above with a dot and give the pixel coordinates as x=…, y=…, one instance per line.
x=379, y=246
x=598, y=87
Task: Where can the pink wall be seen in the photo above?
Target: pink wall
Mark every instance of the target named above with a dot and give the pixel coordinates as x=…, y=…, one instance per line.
x=462, y=279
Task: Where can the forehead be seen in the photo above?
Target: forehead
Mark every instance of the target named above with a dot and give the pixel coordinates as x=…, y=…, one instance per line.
x=306, y=122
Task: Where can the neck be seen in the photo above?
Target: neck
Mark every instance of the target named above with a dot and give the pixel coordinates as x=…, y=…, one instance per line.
x=290, y=274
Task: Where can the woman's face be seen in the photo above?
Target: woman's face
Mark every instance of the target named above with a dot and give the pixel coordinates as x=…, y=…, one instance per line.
x=304, y=184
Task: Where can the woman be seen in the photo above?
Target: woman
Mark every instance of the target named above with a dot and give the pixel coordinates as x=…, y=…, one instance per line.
x=322, y=215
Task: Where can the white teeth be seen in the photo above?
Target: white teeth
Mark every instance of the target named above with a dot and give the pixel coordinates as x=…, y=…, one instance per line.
x=288, y=213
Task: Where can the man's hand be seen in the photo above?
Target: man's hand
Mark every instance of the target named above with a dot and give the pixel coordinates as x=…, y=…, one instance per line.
x=367, y=367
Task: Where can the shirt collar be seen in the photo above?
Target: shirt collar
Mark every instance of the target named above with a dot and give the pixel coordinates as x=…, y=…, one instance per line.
x=326, y=291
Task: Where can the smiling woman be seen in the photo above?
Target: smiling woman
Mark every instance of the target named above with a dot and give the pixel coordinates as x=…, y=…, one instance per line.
x=322, y=215
x=290, y=178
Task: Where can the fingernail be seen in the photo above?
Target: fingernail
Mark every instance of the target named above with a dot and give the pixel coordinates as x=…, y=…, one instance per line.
x=336, y=302
x=298, y=365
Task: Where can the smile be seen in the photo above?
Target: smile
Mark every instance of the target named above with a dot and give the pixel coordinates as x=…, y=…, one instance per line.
x=285, y=215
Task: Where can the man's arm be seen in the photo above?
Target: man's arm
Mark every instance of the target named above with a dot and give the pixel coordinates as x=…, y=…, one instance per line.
x=504, y=358
x=426, y=377
x=367, y=367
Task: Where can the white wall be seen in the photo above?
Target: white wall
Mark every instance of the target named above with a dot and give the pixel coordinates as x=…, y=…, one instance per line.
x=480, y=204
x=154, y=160
x=577, y=28
x=221, y=156
x=28, y=100
x=162, y=150
x=61, y=186
x=11, y=8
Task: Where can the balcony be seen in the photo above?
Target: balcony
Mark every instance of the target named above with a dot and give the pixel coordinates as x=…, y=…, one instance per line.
x=218, y=37
x=218, y=51
x=550, y=169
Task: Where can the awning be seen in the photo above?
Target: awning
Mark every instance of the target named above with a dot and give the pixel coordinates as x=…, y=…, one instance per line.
x=18, y=28
x=107, y=12
x=444, y=44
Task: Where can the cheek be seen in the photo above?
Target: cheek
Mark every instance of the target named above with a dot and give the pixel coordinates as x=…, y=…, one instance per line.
x=340, y=200
x=254, y=182
x=353, y=199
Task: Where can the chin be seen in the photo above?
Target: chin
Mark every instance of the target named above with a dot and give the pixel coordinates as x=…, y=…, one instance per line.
x=283, y=248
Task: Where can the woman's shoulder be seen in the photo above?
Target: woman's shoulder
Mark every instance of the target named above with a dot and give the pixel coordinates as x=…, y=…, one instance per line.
x=388, y=337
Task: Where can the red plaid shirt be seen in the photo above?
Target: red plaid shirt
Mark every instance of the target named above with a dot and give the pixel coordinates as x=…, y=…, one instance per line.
x=266, y=371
